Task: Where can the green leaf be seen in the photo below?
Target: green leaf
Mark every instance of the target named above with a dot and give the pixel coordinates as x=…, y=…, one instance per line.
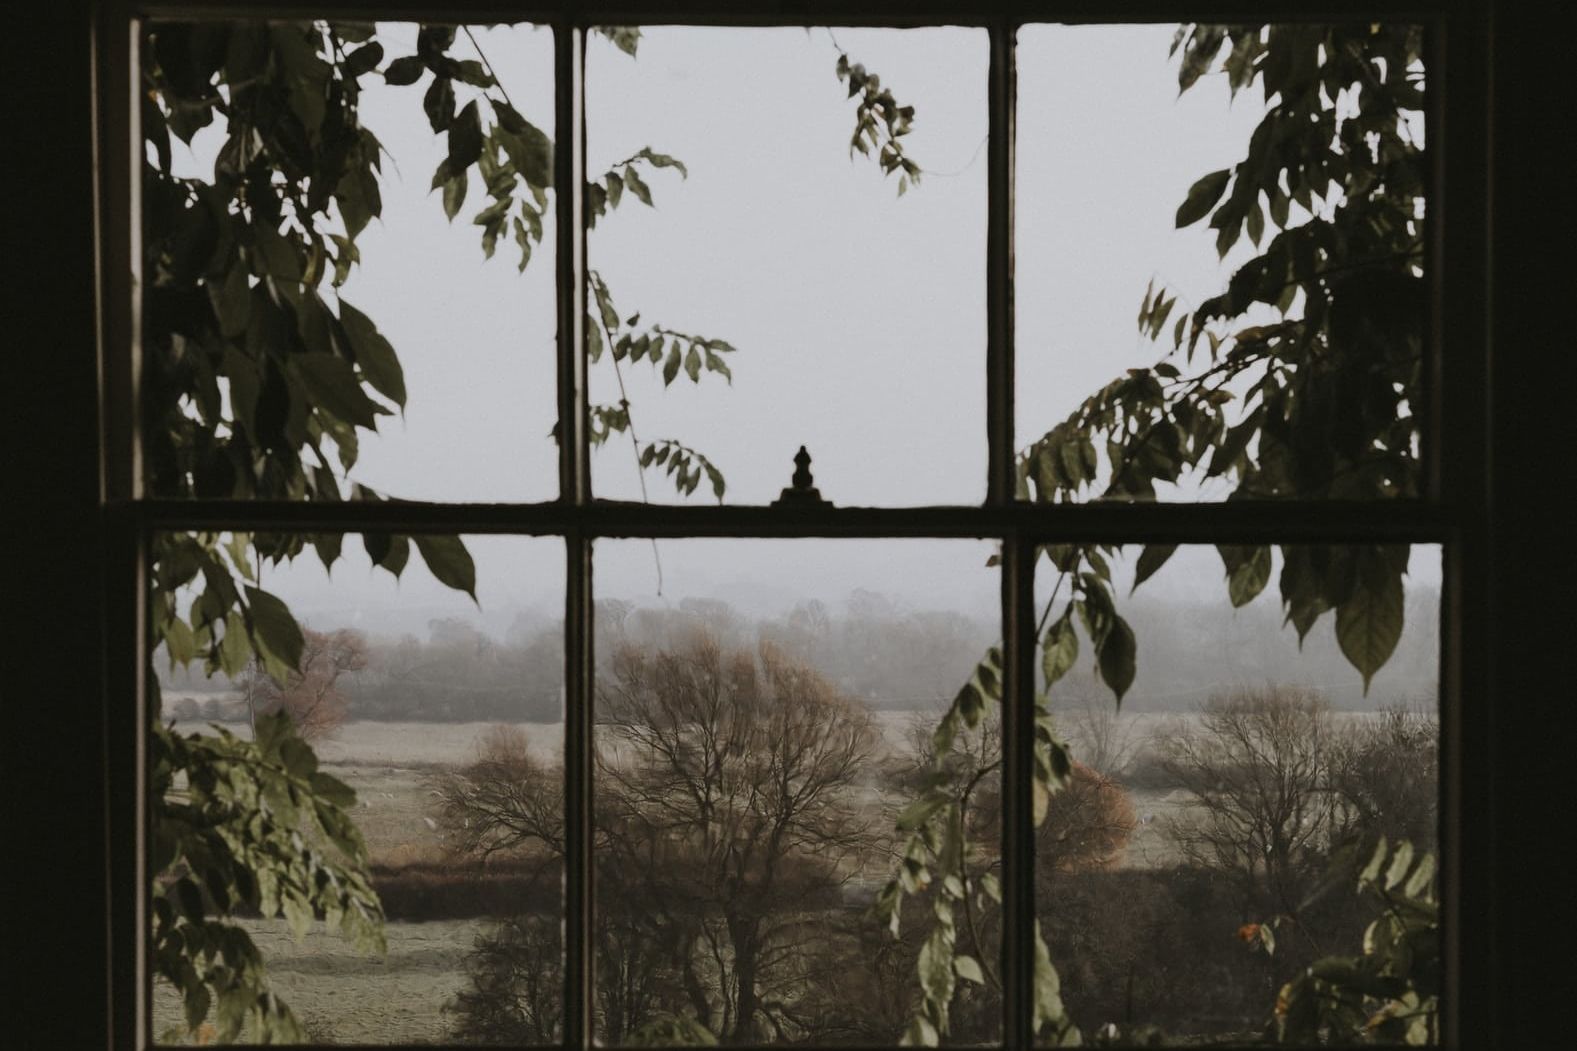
x=1369, y=623
x=1202, y=196
x=527, y=146
x=662, y=160
x=465, y=139
x=671, y=366
x=449, y=561
x=438, y=103
x=276, y=632
x=1060, y=648
x=331, y=386
x=234, y=648
x=364, y=59
x=454, y=194
x=918, y=813
x=1256, y=223
x=378, y=362
x=403, y=71
x=1401, y=861
x=692, y=364
x=1152, y=558
x=1117, y=657
x=179, y=642
x=389, y=551
x=1419, y=882
x=1248, y=570
x=968, y=968
x=632, y=182
x=234, y=303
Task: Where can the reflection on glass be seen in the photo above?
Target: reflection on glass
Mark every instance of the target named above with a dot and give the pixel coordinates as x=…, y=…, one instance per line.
x=1193, y=865
x=779, y=291
x=756, y=741
x=1265, y=229
x=337, y=221
x=408, y=763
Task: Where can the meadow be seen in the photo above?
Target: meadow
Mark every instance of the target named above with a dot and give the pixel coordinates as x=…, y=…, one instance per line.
x=343, y=996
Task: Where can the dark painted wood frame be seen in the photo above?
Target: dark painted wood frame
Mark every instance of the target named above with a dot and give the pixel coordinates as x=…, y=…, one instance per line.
x=78, y=522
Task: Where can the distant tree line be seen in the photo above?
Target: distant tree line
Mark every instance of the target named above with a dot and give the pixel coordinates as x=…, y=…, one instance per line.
x=870, y=647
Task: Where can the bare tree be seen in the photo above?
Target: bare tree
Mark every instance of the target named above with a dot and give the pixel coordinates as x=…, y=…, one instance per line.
x=1100, y=736
x=739, y=767
x=311, y=694
x=725, y=831
x=1384, y=770
x=1255, y=765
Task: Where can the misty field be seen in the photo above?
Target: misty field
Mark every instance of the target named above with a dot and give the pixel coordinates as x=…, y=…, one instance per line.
x=407, y=994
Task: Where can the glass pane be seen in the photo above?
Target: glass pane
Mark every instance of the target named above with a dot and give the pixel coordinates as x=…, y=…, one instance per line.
x=858, y=313
x=761, y=725
x=1206, y=851
x=380, y=820
x=1279, y=345
x=307, y=296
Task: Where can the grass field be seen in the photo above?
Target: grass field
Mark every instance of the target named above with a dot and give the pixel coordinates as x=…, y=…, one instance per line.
x=343, y=996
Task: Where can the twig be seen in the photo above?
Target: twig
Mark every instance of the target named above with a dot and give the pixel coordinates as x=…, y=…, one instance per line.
x=488, y=66
x=635, y=445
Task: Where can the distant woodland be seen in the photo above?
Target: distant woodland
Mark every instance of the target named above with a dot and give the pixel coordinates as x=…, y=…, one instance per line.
x=869, y=647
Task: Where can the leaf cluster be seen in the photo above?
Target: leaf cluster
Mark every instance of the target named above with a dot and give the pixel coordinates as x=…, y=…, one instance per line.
x=1390, y=992
x=248, y=826
x=939, y=862
x=880, y=123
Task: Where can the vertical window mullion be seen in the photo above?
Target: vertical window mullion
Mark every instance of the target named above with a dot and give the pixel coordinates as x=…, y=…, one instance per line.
x=1002, y=100
x=1018, y=557
x=569, y=179
x=1018, y=759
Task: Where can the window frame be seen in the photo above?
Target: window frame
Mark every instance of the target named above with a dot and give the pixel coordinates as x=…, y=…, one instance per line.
x=1453, y=510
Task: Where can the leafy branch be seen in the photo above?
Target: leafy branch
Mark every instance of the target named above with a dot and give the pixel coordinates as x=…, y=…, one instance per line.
x=880, y=123
x=1322, y=402
x=1390, y=992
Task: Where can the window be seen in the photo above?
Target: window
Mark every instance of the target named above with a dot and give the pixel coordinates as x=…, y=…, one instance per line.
x=1447, y=515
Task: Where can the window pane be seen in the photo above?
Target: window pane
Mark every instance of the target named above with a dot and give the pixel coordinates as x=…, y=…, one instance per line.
x=1206, y=849
x=306, y=295
x=858, y=314
x=761, y=724
x=1279, y=345
x=439, y=721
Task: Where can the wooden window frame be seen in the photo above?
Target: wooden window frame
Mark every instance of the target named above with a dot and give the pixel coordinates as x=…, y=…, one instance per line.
x=1455, y=511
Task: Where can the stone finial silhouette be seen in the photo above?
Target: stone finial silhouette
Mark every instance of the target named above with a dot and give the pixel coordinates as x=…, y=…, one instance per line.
x=802, y=493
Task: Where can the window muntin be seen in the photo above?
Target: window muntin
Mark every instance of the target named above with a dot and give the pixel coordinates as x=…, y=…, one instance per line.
x=1142, y=524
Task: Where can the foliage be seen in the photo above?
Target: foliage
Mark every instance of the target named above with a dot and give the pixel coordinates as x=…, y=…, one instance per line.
x=258, y=384
x=247, y=826
x=879, y=123
x=1390, y=992
x=1307, y=390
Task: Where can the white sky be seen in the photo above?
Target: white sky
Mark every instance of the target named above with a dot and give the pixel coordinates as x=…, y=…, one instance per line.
x=859, y=316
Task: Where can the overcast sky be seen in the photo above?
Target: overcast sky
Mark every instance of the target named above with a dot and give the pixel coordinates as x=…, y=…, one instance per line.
x=859, y=316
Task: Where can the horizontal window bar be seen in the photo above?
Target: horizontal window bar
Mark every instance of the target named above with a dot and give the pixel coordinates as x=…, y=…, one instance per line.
x=1239, y=521
x=898, y=13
